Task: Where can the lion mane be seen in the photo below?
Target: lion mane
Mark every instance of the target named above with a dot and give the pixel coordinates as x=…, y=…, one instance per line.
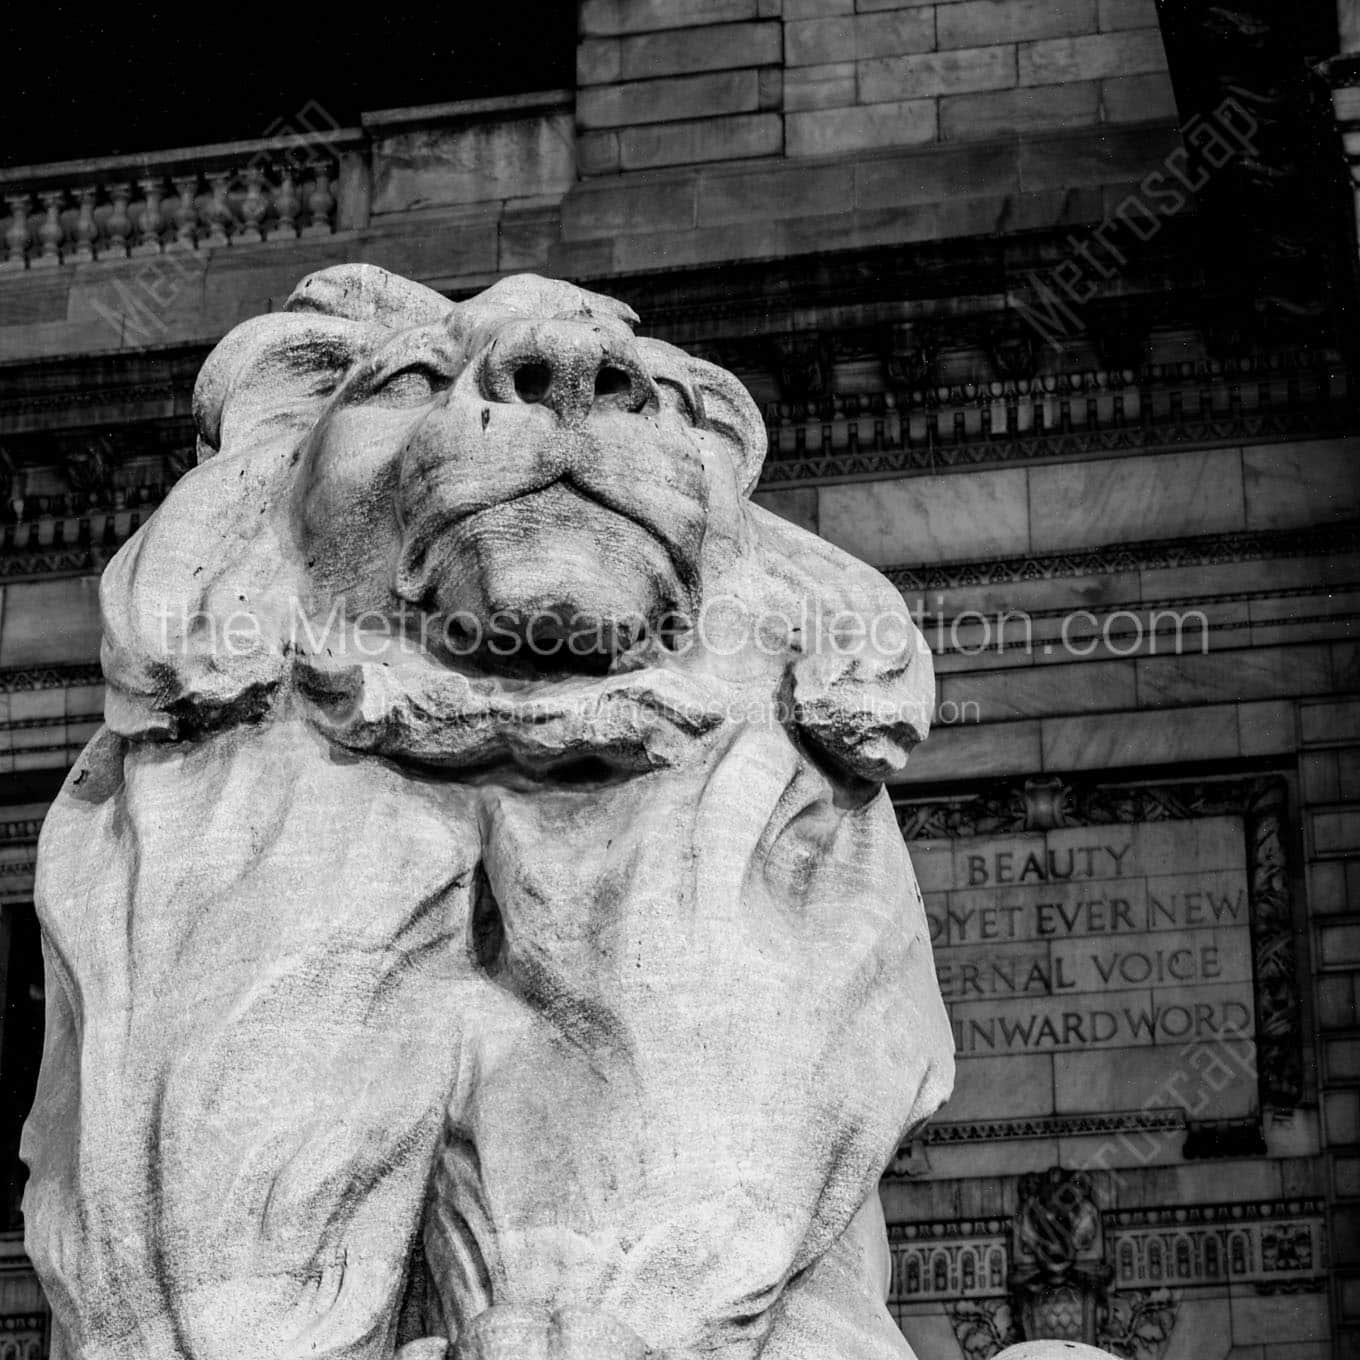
x=410, y=989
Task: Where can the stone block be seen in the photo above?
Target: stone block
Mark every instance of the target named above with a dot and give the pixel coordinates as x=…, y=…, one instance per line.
x=526, y=239
x=1346, y=1177
x=934, y=175
x=1000, y=113
x=1326, y=889
x=1138, y=99
x=597, y=153
x=798, y=505
x=1341, y=1059
x=1267, y=727
x=1018, y=1084
x=1156, y=1076
x=1093, y=56
x=612, y=17
x=1336, y=832
x=816, y=42
x=32, y=297
x=959, y=1161
x=660, y=101
x=927, y=1332
x=1347, y=762
x=893, y=31
x=638, y=203
x=831, y=85
x=1027, y=692
x=473, y=162
x=1222, y=676
x=847, y=230
x=1330, y=723
x=50, y=622
x=828, y=132
x=783, y=191
x=714, y=47
x=583, y=259
x=1125, y=500
x=816, y=9
x=1341, y=1115
x=1095, y=155
x=1318, y=774
x=960, y=71
x=843, y=38
x=1336, y=1007
x=929, y=519
x=982, y=749
x=1112, y=15
x=875, y=6
x=1294, y=485
x=598, y=61
x=1159, y=737
x=701, y=140
x=452, y=247
x=977, y=23
x=1260, y=1320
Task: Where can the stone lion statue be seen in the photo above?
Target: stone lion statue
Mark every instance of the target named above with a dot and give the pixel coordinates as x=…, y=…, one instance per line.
x=480, y=927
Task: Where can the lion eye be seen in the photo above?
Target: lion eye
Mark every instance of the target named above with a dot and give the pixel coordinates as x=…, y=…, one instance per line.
x=679, y=398
x=411, y=386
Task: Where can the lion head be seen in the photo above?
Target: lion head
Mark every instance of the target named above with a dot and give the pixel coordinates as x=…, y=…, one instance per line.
x=481, y=922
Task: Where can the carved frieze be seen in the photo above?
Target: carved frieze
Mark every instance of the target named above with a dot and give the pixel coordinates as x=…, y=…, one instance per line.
x=1261, y=803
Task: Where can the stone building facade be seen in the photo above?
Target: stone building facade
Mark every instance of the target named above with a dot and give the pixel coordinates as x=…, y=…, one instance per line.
x=1050, y=305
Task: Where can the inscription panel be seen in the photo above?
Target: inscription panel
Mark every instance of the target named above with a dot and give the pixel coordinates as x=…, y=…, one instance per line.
x=1097, y=939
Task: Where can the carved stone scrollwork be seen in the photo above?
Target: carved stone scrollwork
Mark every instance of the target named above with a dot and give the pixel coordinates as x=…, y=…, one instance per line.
x=1138, y=1323
x=89, y=471
x=982, y=1327
x=804, y=367
x=909, y=355
x=1014, y=349
x=1059, y=1276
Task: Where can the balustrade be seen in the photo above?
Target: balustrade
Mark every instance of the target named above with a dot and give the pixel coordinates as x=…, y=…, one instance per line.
x=114, y=215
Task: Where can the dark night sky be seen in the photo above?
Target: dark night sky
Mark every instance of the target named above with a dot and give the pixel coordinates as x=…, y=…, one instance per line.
x=144, y=77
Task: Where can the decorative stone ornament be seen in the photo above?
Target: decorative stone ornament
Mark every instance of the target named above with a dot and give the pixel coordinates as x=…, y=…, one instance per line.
x=480, y=927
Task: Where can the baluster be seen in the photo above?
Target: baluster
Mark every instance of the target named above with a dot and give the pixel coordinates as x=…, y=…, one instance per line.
x=285, y=205
x=218, y=211
x=86, y=228
x=51, y=231
x=119, y=224
x=321, y=201
x=149, y=219
x=16, y=237
x=253, y=206
x=186, y=211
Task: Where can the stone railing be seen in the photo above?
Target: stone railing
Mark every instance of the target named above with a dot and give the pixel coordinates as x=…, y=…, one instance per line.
x=316, y=180
x=197, y=198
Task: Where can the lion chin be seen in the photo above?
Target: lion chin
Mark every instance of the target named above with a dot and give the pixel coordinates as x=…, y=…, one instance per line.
x=548, y=583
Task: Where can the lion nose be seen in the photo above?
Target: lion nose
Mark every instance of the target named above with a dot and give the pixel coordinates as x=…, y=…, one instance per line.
x=571, y=367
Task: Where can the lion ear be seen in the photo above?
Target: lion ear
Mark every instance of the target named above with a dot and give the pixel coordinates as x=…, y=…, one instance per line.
x=731, y=410
x=365, y=293
x=534, y=296
x=270, y=377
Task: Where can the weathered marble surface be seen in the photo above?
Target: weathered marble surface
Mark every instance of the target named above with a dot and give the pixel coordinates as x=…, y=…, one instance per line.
x=404, y=993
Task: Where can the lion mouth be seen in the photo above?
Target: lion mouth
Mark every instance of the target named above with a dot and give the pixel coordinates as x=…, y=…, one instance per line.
x=551, y=581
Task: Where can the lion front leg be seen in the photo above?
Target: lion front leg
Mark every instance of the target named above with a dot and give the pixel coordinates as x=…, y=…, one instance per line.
x=261, y=957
